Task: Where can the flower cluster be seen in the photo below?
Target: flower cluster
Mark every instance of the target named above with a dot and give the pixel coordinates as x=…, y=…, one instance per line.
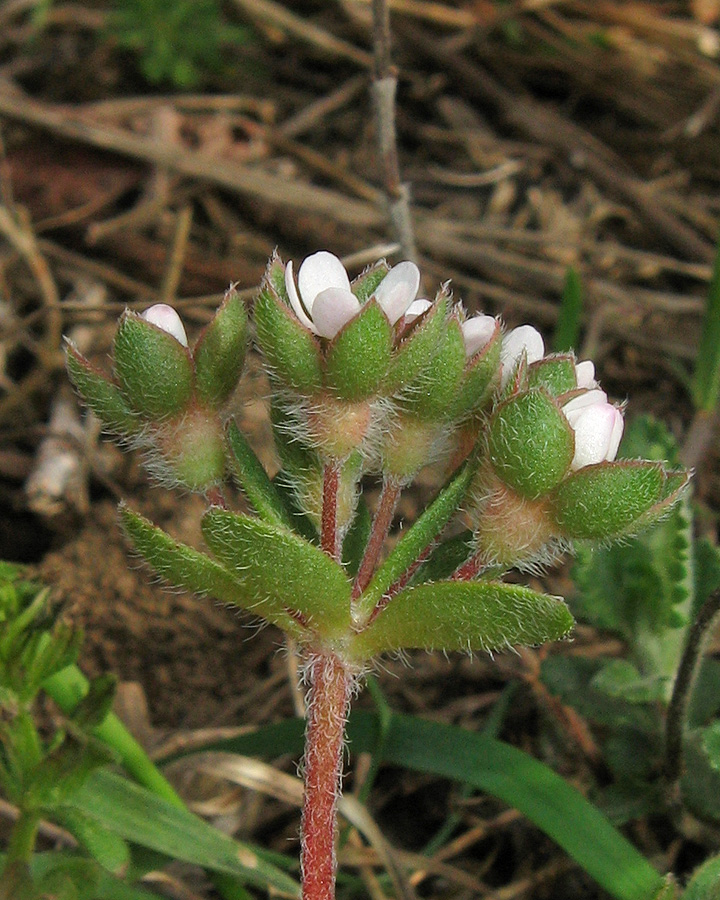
x=165, y=397
x=369, y=378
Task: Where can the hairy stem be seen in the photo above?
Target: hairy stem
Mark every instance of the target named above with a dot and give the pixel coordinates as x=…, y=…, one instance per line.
x=329, y=532
x=470, y=569
x=324, y=740
x=384, y=513
x=677, y=710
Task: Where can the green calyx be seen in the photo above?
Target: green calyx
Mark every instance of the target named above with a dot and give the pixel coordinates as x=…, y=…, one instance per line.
x=154, y=371
x=416, y=350
x=358, y=357
x=610, y=500
x=103, y=396
x=290, y=350
x=530, y=443
x=554, y=373
x=365, y=285
x=219, y=353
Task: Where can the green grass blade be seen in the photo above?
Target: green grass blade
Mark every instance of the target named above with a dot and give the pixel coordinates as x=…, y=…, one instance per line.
x=706, y=380
x=142, y=818
x=489, y=765
x=567, y=329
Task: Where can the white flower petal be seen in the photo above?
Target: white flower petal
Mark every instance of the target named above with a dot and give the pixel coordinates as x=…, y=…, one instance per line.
x=598, y=430
x=575, y=407
x=398, y=289
x=523, y=340
x=333, y=308
x=477, y=332
x=416, y=308
x=318, y=272
x=165, y=317
x=585, y=374
x=295, y=301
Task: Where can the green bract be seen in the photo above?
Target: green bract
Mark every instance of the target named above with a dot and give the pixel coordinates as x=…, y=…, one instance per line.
x=359, y=356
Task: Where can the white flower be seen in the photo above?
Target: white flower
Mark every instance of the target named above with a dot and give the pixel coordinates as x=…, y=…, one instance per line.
x=585, y=374
x=598, y=427
x=324, y=302
x=477, y=332
x=522, y=341
x=166, y=318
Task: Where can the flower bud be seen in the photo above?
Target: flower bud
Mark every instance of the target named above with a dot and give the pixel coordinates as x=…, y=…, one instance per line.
x=166, y=318
x=598, y=428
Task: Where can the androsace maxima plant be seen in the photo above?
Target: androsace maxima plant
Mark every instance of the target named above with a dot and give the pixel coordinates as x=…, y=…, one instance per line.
x=370, y=380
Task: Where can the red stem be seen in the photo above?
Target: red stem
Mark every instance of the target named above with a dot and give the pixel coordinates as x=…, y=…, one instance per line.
x=329, y=536
x=470, y=569
x=324, y=740
x=384, y=513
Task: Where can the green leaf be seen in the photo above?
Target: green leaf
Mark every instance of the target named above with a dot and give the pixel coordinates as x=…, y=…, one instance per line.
x=104, y=845
x=359, y=355
x=154, y=370
x=219, y=353
x=102, y=395
x=620, y=678
x=253, y=479
x=97, y=702
x=417, y=539
x=700, y=781
x=138, y=816
x=706, y=381
x=277, y=566
x=451, y=615
x=607, y=500
x=530, y=443
x=711, y=744
x=290, y=349
x=705, y=882
x=187, y=568
x=567, y=330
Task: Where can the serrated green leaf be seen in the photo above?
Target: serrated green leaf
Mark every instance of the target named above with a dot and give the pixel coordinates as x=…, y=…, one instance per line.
x=154, y=370
x=254, y=480
x=219, y=353
x=359, y=355
x=453, y=615
x=275, y=565
x=185, y=567
x=417, y=539
x=138, y=816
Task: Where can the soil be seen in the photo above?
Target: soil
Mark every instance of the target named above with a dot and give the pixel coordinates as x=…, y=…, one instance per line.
x=573, y=134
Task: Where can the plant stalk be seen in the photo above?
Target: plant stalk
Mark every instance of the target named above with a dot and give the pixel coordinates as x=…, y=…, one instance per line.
x=22, y=838
x=387, y=504
x=329, y=532
x=330, y=688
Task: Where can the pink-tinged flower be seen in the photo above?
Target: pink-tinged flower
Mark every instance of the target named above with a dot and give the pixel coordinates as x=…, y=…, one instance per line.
x=166, y=318
x=477, y=333
x=324, y=302
x=598, y=428
x=522, y=341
